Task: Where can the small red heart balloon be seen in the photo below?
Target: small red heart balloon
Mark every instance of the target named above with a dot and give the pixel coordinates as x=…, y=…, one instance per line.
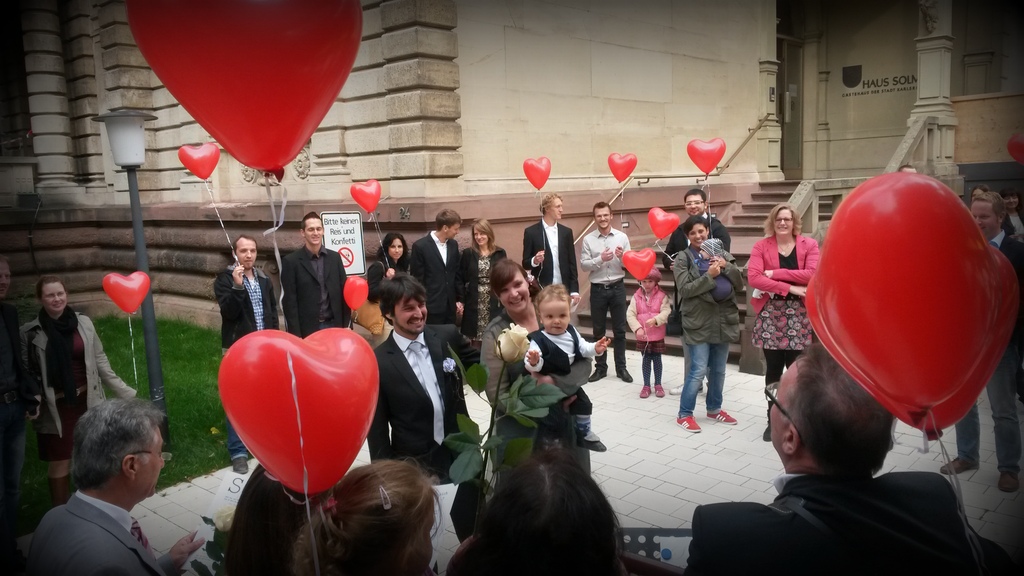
x=639, y=262
x=356, y=290
x=366, y=194
x=537, y=171
x=212, y=55
x=127, y=292
x=878, y=321
x=1015, y=146
x=334, y=377
x=200, y=160
x=662, y=223
x=706, y=154
x=621, y=166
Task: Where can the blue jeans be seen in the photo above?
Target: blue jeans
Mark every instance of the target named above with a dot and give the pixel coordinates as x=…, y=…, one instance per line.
x=704, y=360
x=235, y=446
x=12, y=457
x=1001, y=388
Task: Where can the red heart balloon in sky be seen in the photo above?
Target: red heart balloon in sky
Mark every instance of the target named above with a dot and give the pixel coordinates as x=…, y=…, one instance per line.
x=537, y=171
x=662, y=223
x=621, y=166
x=127, y=292
x=336, y=383
x=880, y=321
x=200, y=160
x=1015, y=146
x=366, y=194
x=706, y=154
x=258, y=75
x=356, y=290
x=639, y=262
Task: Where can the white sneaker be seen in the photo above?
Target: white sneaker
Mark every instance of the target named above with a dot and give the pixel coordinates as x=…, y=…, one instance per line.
x=676, y=391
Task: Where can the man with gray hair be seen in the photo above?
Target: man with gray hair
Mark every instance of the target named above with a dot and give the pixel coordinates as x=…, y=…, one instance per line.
x=115, y=463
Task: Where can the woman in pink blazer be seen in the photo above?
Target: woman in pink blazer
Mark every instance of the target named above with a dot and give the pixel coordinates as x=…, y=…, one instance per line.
x=779, y=270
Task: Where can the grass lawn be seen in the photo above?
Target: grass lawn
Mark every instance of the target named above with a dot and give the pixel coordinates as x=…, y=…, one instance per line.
x=190, y=356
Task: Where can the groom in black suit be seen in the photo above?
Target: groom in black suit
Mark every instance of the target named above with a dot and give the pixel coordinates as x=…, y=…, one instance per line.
x=832, y=516
x=435, y=263
x=421, y=390
x=548, y=251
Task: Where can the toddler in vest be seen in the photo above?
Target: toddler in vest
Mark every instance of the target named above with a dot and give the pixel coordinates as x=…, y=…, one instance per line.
x=646, y=316
x=555, y=347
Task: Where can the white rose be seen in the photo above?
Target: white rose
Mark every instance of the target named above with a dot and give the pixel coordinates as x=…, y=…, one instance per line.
x=223, y=518
x=512, y=344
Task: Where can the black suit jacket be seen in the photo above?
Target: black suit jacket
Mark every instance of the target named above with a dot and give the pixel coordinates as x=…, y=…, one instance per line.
x=442, y=280
x=27, y=386
x=678, y=240
x=302, y=292
x=236, y=311
x=469, y=271
x=1014, y=252
x=403, y=425
x=534, y=240
x=899, y=523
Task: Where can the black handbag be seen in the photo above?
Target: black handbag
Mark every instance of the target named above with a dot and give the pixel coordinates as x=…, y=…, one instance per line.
x=674, y=324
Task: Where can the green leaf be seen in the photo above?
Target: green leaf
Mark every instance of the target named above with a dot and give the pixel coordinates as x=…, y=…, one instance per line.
x=476, y=377
x=208, y=522
x=216, y=553
x=462, y=442
x=522, y=419
x=517, y=450
x=200, y=568
x=492, y=442
x=468, y=426
x=534, y=412
x=541, y=395
x=466, y=467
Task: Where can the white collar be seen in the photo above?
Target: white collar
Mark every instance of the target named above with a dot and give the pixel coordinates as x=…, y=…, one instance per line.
x=546, y=227
x=120, y=515
x=611, y=232
x=403, y=342
x=998, y=239
x=780, y=481
x=433, y=234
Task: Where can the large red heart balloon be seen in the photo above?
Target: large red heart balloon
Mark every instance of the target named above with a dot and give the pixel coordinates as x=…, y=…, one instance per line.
x=621, y=166
x=1015, y=146
x=127, y=292
x=356, y=290
x=881, y=317
x=366, y=194
x=258, y=75
x=662, y=223
x=639, y=262
x=537, y=171
x=333, y=375
x=200, y=160
x=706, y=154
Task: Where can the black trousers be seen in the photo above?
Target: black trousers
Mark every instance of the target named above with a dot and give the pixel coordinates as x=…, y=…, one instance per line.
x=776, y=361
x=605, y=297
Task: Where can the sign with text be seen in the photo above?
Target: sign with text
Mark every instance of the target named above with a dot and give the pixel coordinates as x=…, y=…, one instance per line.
x=343, y=233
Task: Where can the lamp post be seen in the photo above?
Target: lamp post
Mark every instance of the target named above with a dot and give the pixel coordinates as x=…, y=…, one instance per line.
x=127, y=140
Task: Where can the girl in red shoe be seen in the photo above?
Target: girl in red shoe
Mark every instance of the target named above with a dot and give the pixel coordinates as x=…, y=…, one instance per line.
x=647, y=315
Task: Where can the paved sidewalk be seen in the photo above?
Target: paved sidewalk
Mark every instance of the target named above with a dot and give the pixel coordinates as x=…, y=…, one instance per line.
x=655, y=474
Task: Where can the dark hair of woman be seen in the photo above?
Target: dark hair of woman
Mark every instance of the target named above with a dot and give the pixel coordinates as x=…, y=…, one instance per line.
x=382, y=253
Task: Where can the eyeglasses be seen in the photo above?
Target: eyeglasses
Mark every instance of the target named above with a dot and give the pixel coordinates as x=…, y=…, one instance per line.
x=783, y=219
x=693, y=203
x=771, y=392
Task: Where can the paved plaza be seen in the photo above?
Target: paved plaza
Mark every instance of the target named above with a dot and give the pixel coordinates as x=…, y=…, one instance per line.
x=655, y=474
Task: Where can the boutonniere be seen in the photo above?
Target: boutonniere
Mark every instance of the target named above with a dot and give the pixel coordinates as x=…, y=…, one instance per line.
x=448, y=366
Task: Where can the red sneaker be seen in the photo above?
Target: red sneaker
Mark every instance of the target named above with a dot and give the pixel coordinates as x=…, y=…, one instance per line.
x=723, y=417
x=659, y=391
x=689, y=424
x=645, y=391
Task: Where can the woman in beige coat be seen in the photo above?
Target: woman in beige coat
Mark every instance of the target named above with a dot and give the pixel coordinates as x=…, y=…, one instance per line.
x=64, y=354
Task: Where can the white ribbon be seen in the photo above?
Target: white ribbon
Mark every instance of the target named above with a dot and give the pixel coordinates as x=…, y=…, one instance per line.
x=272, y=232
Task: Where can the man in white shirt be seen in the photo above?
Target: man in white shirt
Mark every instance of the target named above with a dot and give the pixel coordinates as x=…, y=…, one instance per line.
x=548, y=251
x=602, y=257
x=435, y=263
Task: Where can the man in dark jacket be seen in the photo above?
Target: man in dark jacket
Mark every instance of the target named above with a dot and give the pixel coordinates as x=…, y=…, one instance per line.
x=312, y=279
x=695, y=202
x=435, y=263
x=247, y=304
x=832, y=516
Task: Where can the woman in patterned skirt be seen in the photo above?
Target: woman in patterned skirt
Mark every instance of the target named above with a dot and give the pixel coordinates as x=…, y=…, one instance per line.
x=779, y=270
x=477, y=260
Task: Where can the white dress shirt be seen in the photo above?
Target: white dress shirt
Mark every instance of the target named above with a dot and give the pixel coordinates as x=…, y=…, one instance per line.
x=423, y=367
x=442, y=247
x=120, y=515
x=602, y=272
x=552, y=254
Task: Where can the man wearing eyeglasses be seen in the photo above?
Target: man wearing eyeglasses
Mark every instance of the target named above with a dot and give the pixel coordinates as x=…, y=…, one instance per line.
x=832, y=516
x=602, y=258
x=115, y=464
x=695, y=202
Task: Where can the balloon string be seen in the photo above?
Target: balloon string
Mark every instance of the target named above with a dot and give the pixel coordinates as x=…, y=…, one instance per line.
x=305, y=471
x=972, y=539
x=272, y=231
x=131, y=336
x=213, y=202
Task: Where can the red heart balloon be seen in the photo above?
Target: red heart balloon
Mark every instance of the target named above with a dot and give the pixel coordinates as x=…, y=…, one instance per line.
x=537, y=171
x=356, y=290
x=706, y=154
x=259, y=76
x=127, y=292
x=875, y=316
x=336, y=383
x=662, y=223
x=366, y=194
x=278, y=173
x=621, y=166
x=639, y=262
x=1015, y=146
x=200, y=160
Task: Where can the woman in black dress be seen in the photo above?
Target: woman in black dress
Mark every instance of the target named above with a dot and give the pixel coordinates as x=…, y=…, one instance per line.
x=392, y=257
x=476, y=263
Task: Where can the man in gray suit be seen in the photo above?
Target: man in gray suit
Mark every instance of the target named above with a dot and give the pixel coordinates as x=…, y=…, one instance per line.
x=115, y=463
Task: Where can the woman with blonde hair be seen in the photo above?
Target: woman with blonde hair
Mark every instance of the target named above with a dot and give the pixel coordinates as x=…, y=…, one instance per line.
x=377, y=520
x=780, y=268
x=476, y=264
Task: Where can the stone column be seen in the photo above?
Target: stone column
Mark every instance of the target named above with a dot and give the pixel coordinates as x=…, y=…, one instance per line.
x=363, y=149
x=80, y=50
x=420, y=78
x=47, y=94
x=934, y=65
x=822, y=169
x=769, y=137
